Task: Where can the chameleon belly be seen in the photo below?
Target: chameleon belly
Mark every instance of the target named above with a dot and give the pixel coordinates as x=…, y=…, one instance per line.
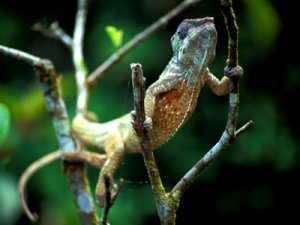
x=172, y=110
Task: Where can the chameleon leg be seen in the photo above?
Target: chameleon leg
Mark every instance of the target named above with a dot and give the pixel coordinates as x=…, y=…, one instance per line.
x=115, y=155
x=94, y=159
x=218, y=87
x=222, y=87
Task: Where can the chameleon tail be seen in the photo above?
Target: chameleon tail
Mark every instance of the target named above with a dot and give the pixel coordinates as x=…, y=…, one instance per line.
x=90, y=133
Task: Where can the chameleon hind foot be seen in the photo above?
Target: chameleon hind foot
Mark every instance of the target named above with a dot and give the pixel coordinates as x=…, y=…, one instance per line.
x=110, y=191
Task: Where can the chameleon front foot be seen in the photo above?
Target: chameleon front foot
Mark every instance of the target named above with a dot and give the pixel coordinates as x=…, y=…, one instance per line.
x=147, y=124
x=236, y=71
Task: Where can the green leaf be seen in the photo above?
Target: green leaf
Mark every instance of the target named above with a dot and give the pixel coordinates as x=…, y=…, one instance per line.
x=4, y=122
x=116, y=35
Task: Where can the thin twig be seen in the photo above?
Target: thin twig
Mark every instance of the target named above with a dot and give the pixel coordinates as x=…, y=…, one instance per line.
x=78, y=59
x=27, y=174
x=99, y=72
x=54, y=31
x=75, y=44
x=232, y=32
x=19, y=55
x=185, y=182
x=242, y=129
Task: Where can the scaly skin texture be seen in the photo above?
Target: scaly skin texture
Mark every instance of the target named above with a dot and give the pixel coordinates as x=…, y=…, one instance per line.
x=169, y=102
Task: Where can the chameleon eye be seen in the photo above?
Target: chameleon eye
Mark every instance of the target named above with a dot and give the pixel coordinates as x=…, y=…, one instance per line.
x=183, y=31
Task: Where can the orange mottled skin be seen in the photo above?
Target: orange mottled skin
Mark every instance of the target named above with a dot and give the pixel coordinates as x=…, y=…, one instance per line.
x=172, y=111
x=169, y=102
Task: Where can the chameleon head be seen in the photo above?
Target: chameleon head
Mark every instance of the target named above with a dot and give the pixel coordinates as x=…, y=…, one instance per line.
x=194, y=42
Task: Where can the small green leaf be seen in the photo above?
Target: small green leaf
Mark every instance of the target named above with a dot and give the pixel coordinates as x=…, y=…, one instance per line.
x=116, y=35
x=4, y=122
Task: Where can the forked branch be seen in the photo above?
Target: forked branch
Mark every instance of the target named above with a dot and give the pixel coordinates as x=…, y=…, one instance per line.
x=76, y=173
x=168, y=202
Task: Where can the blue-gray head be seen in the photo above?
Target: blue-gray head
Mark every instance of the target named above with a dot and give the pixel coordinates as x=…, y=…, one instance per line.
x=194, y=42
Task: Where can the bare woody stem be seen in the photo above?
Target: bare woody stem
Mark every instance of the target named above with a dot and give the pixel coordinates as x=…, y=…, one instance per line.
x=54, y=31
x=75, y=44
x=76, y=173
x=139, y=117
x=99, y=72
x=162, y=203
x=78, y=59
x=232, y=32
x=230, y=133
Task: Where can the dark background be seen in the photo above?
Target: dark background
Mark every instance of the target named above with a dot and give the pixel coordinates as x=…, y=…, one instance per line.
x=252, y=182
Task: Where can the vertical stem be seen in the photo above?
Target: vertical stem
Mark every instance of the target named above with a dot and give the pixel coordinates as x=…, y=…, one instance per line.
x=232, y=31
x=165, y=207
x=78, y=59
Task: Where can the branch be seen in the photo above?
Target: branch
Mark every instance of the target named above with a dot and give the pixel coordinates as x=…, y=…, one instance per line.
x=55, y=105
x=49, y=82
x=78, y=59
x=54, y=31
x=244, y=128
x=19, y=55
x=232, y=31
x=75, y=44
x=99, y=72
x=139, y=118
x=229, y=134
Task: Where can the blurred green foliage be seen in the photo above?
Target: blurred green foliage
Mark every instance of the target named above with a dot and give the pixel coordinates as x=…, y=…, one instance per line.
x=265, y=23
x=254, y=179
x=5, y=122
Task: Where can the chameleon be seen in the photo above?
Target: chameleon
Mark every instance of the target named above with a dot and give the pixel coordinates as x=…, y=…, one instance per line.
x=169, y=102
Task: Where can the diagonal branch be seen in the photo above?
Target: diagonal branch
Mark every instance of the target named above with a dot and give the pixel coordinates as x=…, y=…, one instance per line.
x=99, y=72
x=230, y=133
x=242, y=129
x=54, y=31
x=76, y=172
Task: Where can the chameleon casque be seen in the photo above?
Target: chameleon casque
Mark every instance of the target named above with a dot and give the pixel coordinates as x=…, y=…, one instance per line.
x=169, y=102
